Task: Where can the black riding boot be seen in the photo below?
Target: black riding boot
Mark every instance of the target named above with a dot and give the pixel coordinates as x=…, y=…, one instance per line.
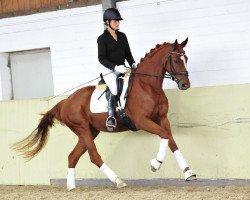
x=111, y=121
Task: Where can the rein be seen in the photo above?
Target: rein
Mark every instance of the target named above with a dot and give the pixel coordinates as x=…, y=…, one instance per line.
x=154, y=75
x=172, y=75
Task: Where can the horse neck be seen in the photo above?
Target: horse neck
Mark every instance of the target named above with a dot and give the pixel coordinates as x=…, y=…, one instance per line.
x=152, y=65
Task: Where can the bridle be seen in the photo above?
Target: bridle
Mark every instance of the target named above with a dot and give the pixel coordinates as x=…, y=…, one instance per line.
x=172, y=74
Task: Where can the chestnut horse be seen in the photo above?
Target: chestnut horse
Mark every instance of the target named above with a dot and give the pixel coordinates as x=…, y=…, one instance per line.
x=146, y=106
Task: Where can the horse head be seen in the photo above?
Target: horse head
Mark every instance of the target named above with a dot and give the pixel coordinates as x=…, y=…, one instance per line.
x=176, y=65
x=165, y=61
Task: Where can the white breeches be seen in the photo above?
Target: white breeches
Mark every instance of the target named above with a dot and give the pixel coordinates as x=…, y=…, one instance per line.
x=110, y=79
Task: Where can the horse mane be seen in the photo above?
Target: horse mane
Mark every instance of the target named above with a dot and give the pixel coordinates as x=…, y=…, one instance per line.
x=154, y=51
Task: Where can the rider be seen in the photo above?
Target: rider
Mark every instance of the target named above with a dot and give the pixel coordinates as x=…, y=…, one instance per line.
x=113, y=49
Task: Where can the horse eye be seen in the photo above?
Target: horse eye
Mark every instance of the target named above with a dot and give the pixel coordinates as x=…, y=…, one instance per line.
x=176, y=61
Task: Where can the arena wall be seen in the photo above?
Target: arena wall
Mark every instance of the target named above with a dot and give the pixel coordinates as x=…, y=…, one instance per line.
x=210, y=121
x=210, y=125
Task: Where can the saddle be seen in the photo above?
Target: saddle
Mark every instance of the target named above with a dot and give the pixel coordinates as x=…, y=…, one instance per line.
x=99, y=99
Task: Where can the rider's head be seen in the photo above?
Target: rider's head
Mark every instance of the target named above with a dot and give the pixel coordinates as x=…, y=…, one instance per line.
x=111, y=18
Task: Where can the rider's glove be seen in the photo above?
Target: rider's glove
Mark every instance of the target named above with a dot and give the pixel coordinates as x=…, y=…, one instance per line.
x=134, y=65
x=120, y=68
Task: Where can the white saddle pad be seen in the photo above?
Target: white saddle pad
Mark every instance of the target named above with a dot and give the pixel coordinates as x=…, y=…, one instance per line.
x=101, y=105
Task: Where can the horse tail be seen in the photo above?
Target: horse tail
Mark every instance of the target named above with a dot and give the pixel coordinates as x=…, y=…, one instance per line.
x=30, y=146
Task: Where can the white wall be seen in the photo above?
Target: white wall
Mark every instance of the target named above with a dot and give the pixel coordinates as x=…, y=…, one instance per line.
x=32, y=74
x=218, y=31
x=71, y=35
x=5, y=78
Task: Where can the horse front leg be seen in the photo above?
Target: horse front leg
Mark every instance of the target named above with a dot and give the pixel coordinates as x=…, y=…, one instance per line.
x=188, y=173
x=150, y=126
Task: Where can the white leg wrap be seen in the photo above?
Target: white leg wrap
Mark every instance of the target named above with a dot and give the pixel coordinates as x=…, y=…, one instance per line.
x=108, y=172
x=180, y=160
x=161, y=155
x=155, y=164
x=71, y=179
x=190, y=175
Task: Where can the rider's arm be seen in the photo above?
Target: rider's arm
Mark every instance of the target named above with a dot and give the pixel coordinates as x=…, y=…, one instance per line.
x=102, y=54
x=128, y=54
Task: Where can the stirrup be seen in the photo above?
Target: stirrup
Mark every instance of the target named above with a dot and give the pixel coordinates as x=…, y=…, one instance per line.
x=111, y=127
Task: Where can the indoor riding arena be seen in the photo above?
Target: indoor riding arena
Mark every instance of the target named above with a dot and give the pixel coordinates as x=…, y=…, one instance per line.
x=49, y=50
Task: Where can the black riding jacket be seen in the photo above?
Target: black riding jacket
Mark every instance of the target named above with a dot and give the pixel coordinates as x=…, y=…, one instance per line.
x=112, y=52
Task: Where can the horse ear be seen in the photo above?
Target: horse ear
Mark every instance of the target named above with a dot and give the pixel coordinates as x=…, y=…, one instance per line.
x=183, y=44
x=175, y=44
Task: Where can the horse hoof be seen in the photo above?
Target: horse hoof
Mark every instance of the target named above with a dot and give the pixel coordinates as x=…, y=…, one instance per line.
x=71, y=185
x=119, y=183
x=155, y=165
x=190, y=176
x=153, y=169
x=70, y=188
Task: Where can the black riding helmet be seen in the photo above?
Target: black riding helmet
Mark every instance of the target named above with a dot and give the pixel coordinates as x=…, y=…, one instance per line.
x=111, y=14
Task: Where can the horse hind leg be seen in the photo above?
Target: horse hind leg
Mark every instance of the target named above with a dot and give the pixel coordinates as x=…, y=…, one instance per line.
x=73, y=158
x=85, y=133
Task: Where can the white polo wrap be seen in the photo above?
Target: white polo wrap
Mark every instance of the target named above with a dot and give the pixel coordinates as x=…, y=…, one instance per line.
x=161, y=155
x=108, y=172
x=71, y=179
x=180, y=160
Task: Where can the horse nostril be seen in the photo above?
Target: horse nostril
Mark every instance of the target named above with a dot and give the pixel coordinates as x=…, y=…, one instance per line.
x=183, y=85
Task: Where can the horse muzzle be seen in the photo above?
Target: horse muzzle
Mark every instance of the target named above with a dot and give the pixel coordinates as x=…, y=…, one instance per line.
x=183, y=84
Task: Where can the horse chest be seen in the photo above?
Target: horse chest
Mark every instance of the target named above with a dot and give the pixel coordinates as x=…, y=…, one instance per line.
x=154, y=110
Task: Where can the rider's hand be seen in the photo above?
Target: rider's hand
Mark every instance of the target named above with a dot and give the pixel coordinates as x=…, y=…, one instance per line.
x=120, y=68
x=134, y=65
